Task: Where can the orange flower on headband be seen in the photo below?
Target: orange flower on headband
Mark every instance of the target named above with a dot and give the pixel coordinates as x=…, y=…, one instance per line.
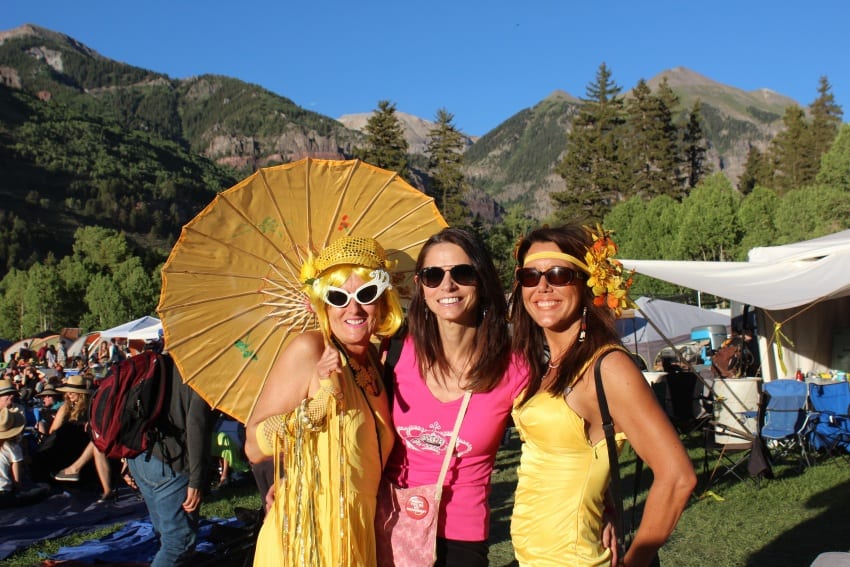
x=607, y=281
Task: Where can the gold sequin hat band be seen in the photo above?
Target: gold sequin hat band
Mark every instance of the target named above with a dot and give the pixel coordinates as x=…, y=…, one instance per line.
x=353, y=250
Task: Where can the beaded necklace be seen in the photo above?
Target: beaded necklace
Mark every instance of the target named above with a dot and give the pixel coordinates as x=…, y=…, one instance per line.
x=365, y=376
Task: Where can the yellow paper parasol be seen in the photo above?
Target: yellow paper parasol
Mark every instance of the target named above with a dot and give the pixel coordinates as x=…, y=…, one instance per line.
x=231, y=298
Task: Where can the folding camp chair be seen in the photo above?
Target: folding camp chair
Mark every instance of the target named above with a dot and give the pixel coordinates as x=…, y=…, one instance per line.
x=829, y=432
x=732, y=434
x=783, y=419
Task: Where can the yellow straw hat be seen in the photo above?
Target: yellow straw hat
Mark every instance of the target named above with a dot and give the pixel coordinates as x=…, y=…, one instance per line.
x=75, y=384
x=6, y=387
x=355, y=250
x=12, y=422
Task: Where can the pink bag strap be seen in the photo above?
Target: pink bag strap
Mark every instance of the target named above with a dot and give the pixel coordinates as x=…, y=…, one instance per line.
x=451, y=448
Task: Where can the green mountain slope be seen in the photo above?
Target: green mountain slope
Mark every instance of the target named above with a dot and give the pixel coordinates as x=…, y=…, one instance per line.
x=513, y=163
x=63, y=169
x=87, y=140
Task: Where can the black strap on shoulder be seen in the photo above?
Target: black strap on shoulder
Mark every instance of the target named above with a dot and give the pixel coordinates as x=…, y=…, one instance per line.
x=393, y=353
x=613, y=458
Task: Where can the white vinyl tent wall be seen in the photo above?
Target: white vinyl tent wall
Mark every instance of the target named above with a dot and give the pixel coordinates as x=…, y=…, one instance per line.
x=803, y=286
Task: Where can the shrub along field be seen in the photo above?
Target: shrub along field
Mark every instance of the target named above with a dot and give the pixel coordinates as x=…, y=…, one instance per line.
x=786, y=520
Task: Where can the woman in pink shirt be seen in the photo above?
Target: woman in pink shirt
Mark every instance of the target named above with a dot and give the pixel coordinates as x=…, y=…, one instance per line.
x=457, y=340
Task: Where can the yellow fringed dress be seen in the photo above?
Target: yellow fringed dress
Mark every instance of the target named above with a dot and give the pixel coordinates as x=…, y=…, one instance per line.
x=324, y=509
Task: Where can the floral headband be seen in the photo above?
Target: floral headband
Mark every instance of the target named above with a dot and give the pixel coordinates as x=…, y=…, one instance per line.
x=610, y=286
x=606, y=279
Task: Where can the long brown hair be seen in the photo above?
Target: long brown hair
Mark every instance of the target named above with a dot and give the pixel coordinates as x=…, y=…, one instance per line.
x=528, y=337
x=78, y=411
x=491, y=344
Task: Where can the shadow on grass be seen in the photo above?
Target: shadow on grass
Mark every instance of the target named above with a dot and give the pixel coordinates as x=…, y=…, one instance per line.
x=825, y=532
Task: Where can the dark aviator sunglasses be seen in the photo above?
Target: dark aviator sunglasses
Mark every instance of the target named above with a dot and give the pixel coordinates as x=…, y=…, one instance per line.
x=462, y=274
x=557, y=276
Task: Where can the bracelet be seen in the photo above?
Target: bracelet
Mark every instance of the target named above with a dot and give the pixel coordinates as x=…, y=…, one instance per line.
x=309, y=415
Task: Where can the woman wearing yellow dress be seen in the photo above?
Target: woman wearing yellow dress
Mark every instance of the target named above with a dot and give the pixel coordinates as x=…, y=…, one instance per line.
x=569, y=291
x=324, y=415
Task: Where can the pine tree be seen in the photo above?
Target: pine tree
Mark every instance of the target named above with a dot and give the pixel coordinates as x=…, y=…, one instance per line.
x=592, y=167
x=694, y=149
x=445, y=160
x=826, y=119
x=649, y=146
x=835, y=164
x=385, y=143
x=670, y=104
x=791, y=153
x=757, y=171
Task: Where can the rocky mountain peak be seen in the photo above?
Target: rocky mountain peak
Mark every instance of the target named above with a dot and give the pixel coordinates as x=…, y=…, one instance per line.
x=44, y=33
x=416, y=129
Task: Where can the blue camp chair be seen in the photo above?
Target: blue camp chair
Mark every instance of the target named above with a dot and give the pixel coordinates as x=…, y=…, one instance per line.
x=784, y=419
x=830, y=418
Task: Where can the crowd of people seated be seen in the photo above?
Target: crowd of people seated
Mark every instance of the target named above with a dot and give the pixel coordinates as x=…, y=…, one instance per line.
x=53, y=448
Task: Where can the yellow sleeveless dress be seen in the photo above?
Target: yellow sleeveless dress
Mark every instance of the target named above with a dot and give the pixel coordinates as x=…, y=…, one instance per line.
x=306, y=527
x=561, y=484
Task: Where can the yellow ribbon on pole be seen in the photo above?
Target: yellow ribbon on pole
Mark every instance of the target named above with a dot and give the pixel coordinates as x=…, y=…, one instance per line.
x=779, y=336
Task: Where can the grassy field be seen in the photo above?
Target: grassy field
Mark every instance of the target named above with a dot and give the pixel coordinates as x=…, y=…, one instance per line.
x=785, y=521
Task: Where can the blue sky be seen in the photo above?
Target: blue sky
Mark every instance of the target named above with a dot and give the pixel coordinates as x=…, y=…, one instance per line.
x=483, y=61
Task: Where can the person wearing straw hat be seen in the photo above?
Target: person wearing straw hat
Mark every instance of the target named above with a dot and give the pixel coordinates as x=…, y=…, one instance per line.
x=14, y=489
x=12, y=423
x=68, y=435
x=51, y=401
x=78, y=393
x=324, y=410
x=8, y=393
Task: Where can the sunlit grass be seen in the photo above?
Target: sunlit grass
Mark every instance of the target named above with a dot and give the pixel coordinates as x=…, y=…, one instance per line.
x=787, y=520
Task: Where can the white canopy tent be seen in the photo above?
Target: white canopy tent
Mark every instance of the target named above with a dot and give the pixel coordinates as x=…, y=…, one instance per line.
x=144, y=328
x=801, y=293
x=674, y=320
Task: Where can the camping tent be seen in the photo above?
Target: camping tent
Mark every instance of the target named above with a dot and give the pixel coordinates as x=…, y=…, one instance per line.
x=139, y=329
x=674, y=320
x=86, y=340
x=801, y=292
x=15, y=347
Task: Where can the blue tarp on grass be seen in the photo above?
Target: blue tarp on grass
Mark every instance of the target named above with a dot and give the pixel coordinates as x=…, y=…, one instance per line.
x=64, y=513
x=134, y=543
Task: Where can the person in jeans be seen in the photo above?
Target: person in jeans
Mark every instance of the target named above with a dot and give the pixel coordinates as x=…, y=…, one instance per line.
x=171, y=480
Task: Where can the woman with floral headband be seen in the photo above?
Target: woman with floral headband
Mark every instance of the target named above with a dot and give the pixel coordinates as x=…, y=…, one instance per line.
x=568, y=292
x=324, y=414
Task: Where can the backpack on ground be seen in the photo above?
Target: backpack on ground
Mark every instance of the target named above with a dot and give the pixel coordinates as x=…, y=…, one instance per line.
x=126, y=405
